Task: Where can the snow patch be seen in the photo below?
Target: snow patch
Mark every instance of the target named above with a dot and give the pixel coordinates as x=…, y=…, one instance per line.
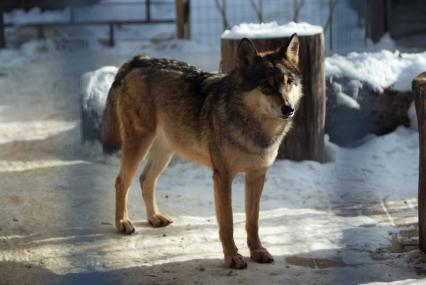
x=270, y=30
x=95, y=86
x=381, y=70
x=412, y=115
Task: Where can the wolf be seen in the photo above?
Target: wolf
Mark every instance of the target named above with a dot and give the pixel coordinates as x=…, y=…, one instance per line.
x=230, y=122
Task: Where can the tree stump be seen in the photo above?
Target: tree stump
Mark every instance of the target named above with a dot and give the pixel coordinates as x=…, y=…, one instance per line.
x=306, y=140
x=419, y=89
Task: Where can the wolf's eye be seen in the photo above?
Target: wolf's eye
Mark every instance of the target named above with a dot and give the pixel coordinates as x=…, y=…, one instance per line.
x=266, y=88
x=289, y=80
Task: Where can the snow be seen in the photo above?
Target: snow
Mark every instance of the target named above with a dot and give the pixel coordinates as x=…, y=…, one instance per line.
x=270, y=30
x=36, y=15
x=95, y=86
x=384, y=69
x=412, y=115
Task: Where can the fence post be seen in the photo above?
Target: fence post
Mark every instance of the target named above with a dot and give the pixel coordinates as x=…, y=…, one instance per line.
x=183, y=27
x=419, y=89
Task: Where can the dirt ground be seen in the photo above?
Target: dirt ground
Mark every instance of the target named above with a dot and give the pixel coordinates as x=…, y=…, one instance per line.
x=57, y=197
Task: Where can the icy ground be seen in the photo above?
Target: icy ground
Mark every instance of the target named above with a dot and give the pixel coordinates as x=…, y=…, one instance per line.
x=351, y=221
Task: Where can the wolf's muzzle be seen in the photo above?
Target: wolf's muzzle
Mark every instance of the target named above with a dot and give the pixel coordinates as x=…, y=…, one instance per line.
x=287, y=112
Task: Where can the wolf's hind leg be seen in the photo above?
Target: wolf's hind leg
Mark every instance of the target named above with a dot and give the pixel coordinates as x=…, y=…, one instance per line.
x=133, y=151
x=159, y=157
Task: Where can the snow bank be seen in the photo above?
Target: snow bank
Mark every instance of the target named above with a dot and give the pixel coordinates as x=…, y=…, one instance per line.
x=270, y=30
x=95, y=86
x=381, y=70
x=36, y=15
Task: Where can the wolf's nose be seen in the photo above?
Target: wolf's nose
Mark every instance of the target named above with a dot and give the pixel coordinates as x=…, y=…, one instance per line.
x=287, y=111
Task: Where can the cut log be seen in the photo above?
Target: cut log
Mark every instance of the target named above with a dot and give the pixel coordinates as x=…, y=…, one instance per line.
x=306, y=140
x=419, y=89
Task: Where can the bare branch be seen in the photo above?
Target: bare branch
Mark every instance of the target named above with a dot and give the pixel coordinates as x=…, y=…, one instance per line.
x=222, y=11
x=298, y=4
x=257, y=9
x=329, y=19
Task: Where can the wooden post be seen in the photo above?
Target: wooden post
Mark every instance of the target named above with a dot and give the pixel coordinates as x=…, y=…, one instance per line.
x=306, y=140
x=111, y=39
x=183, y=27
x=419, y=89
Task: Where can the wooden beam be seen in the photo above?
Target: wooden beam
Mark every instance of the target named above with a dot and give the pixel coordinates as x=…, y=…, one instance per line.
x=419, y=89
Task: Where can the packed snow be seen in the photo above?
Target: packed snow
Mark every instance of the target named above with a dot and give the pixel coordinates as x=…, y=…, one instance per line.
x=384, y=69
x=270, y=30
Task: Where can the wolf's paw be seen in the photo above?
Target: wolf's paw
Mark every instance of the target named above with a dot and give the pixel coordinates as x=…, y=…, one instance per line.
x=160, y=220
x=261, y=255
x=235, y=261
x=125, y=226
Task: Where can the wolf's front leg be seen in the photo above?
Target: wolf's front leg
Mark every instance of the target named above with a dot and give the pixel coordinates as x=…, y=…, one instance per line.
x=222, y=194
x=254, y=180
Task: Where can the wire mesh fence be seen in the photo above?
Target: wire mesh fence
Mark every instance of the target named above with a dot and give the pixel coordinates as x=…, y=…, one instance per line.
x=345, y=28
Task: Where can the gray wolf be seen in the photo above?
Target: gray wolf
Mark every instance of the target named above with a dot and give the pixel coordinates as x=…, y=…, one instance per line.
x=230, y=123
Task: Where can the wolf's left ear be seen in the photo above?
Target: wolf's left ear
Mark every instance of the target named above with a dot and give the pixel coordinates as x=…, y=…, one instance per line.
x=247, y=54
x=291, y=51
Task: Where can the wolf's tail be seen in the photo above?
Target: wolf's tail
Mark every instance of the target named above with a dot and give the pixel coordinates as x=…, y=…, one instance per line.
x=110, y=136
x=110, y=125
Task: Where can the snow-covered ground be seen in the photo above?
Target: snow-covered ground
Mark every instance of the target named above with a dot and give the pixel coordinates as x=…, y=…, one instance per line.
x=349, y=221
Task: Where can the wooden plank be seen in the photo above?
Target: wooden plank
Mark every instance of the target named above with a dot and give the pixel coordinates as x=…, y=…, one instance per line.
x=419, y=89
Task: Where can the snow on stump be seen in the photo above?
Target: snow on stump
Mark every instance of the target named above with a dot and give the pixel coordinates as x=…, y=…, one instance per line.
x=419, y=89
x=306, y=140
x=95, y=86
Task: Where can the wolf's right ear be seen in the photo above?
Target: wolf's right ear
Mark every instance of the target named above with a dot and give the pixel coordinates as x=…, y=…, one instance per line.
x=247, y=54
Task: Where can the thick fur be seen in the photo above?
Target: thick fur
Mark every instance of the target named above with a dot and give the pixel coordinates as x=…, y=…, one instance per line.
x=229, y=122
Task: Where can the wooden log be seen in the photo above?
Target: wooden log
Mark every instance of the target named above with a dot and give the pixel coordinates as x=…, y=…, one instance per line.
x=306, y=140
x=183, y=27
x=419, y=89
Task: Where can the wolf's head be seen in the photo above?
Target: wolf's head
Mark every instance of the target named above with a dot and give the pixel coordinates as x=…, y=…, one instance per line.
x=271, y=81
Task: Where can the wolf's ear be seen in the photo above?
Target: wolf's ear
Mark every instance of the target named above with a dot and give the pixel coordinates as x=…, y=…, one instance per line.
x=247, y=54
x=291, y=51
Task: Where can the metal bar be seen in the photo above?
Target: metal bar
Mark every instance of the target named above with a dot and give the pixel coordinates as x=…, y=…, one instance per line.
x=148, y=10
x=367, y=22
x=111, y=40
x=85, y=23
x=2, y=27
x=72, y=15
x=330, y=36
